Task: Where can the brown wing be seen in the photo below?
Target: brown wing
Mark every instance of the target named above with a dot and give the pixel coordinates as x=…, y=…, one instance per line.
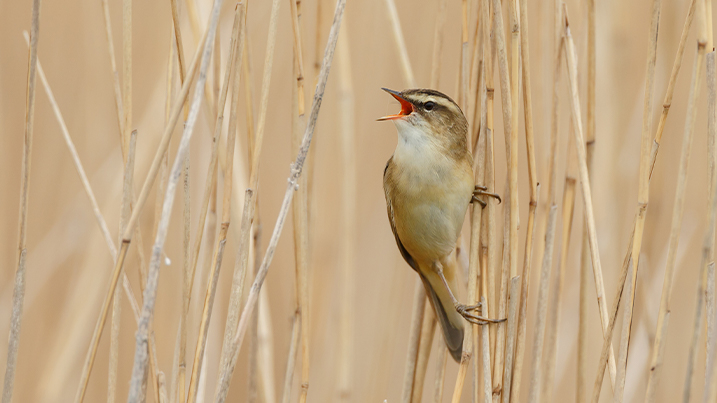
x=389, y=208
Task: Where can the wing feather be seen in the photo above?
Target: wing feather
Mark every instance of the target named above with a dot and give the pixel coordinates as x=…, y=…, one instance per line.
x=389, y=207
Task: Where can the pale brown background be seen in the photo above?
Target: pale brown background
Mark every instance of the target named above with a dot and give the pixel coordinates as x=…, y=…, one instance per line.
x=68, y=262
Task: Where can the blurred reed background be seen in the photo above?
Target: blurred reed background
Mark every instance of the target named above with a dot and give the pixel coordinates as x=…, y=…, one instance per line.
x=359, y=289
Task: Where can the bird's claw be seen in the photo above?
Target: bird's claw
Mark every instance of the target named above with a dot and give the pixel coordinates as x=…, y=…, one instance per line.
x=464, y=310
x=483, y=191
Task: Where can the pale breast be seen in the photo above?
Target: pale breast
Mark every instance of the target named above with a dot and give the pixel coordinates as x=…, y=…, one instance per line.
x=430, y=195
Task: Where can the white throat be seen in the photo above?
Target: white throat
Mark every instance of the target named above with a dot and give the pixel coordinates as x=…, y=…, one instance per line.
x=416, y=145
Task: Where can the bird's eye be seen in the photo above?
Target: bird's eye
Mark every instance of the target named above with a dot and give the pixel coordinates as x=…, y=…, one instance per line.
x=429, y=105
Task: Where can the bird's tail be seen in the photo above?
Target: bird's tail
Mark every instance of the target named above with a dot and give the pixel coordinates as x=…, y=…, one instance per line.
x=450, y=320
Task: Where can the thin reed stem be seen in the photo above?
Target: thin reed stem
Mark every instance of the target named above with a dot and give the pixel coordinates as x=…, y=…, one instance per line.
x=556, y=293
x=300, y=212
x=533, y=204
x=642, y=201
x=710, y=388
x=708, y=247
x=18, y=292
x=113, y=63
x=117, y=302
x=400, y=44
x=511, y=214
x=581, y=389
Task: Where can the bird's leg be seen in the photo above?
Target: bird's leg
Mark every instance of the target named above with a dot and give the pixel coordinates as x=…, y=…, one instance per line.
x=482, y=191
x=464, y=310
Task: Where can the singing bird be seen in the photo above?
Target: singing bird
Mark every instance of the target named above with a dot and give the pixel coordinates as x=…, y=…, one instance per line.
x=428, y=183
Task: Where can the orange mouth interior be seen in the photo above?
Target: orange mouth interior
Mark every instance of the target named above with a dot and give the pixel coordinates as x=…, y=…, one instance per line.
x=406, y=109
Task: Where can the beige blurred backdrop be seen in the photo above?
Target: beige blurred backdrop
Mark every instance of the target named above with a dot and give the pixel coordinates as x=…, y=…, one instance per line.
x=69, y=264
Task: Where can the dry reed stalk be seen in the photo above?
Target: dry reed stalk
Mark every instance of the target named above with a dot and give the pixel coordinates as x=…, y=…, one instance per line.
x=533, y=204
x=642, y=201
x=571, y=57
x=677, y=64
x=428, y=328
x=178, y=41
x=217, y=256
x=513, y=299
x=248, y=94
x=113, y=63
x=348, y=145
x=264, y=102
x=708, y=247
x=414, y=341
x=291, y=359
x=477, y=223
x=226, y=373
x=140, y=361
x=296, y=319
x=253, y=377
x=126, y=73
x=510, y=239
x=240, y=270
x=476, y=78
x=300, y=207
x=217, y=64
x=194, y=22
x=676, y=225
x=18, y=293
x=463, y=75
x=542, y=306
x=438, y=45
x=265, y=351
x=488, y=245
x=653, y=157
x=710, y=292
x=117, y=301
x=553, y=323
x=485, y=344
x=710, y=388
x=515, y=76
x=551, y=218
x=127, y=236
x=440, y=371
x=581, y=378
x=607, y=336
x=164, y=173
x=515, y=68
x=400, y=44
x=75, y=158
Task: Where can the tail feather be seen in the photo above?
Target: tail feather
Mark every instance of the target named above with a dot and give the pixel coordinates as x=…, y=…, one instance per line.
x=451, y=322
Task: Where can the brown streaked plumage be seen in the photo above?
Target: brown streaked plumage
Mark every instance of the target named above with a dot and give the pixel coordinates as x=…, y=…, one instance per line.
x=428, y=183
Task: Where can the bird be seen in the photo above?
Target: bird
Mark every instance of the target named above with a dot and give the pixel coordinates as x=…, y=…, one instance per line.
x=428, y=184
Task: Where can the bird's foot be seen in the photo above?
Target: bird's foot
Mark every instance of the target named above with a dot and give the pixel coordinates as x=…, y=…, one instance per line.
x=464, y=310
x=483, y=191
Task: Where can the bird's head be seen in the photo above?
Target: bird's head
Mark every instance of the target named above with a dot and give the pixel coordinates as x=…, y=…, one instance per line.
x=431, y=113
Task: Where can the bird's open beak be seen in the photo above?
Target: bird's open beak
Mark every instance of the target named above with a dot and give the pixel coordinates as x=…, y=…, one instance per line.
x=406, y=107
